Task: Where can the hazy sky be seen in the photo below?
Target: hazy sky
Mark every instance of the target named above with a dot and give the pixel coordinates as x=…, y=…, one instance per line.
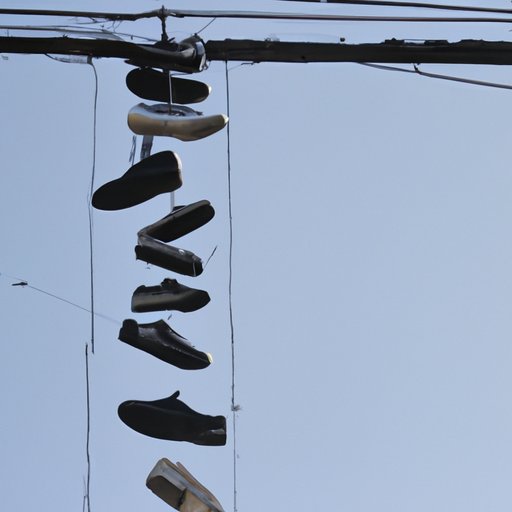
x=371, y=277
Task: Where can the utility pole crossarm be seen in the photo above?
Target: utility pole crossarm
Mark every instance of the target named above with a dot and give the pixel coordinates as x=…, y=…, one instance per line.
x=390, y=51
x=245, y=50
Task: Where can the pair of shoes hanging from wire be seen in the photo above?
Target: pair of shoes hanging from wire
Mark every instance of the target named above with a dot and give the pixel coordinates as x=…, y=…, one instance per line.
x=170, y=118
x=181, y=221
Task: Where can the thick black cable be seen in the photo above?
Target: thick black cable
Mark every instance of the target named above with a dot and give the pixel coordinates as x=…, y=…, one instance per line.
x=417, y=5
x=417, y=71
x=89, y=199
x=234, y=407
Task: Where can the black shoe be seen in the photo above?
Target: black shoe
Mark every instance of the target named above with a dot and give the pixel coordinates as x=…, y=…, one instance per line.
x=150, y=84
x=170, y=295
x=172, y=420
x=168, y=257
x=181, y=221
x=159, y=340
x=157, y=174
x=188, y=55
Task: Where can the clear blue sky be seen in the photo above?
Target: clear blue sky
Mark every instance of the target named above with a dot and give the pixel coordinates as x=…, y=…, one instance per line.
x=371, y=278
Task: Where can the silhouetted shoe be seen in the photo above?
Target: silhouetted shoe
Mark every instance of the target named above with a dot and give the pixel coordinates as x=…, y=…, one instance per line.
x=168, y=257
x=188, y=55
x=170, y=295
x=150, y=84
x=175, y=485
x=157, y=174
x=159, y=340
x=181, y=221
x=176, y=121
x=172, y=420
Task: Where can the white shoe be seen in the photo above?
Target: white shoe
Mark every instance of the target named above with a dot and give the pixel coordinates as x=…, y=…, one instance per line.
x=178, y=488
x=178, y=121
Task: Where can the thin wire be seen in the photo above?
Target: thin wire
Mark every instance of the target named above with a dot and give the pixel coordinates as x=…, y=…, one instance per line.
x=206, y=26
x=234, y=407
x=420, y=5
x=89, y=198
x=418, y=71
x=87, y=496
x=23, y=283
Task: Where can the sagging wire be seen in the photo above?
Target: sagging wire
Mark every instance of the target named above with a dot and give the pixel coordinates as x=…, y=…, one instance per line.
x=89, y=200
x=70, y=29
x=416, y=5
x=25, y=284
x=87, y=494
x=417, y=71
x=234, y=406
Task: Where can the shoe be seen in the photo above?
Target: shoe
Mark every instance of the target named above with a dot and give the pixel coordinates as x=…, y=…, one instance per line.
x=178, y=488
x=181, y=221
x=168, y=257
x=188, y=55
x=170, y=295
x=176, y=121
x=159, y=340
x=157, y=174
x=153, y=85
x=172, y=420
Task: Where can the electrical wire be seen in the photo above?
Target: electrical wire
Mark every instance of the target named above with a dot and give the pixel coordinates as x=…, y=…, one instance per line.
x=206, y=26
x=89, y=199
x=417, y=5
x=181, y=13
x=234, y=406
x=417, y=71
x=87, y=494
x=24, y=284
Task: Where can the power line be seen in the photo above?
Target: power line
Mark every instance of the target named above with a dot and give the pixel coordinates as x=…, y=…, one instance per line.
x=420, y=5
x=263, y=15
x=234, y=406
x=418, y=71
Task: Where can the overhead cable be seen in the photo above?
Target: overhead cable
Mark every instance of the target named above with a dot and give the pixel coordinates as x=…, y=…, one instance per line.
x=417, y=5
x=263, y=15
x=234, y=406
x=418, y=71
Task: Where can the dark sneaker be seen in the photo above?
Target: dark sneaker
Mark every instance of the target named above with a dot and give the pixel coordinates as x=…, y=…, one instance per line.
x=175, y=485
x=159, y=340
x=157, y=174
x=168, y=257
x=170, y=295
x=150, y=84
x=181, y=221
x=172, y=420
x=188, y=55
